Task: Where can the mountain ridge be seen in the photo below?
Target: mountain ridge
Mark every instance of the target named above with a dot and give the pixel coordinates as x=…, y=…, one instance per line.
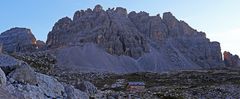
x=171, y=43
x=140, y=41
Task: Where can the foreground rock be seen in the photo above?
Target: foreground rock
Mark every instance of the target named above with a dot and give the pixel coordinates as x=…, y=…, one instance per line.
x=130, y=42
x=8, y=63
x=73, y=93
x=23, y=82
x=6, y=95
x=46, y=87
x=24, y=74
x=3, y=78
x=88, y=87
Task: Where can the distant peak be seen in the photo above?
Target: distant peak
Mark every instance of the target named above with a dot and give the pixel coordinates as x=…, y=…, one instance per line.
x=121, y=11
x=98, y=8
x=17, y=30
x=66, y=18
x=168, y=15
x=62, y=23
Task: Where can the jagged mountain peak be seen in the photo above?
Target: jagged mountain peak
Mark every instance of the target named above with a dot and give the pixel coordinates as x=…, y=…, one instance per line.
x=98, y=8
x=172, y=43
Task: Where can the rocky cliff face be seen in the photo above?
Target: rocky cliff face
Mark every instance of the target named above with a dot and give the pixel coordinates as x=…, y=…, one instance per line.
x=231, y=60
x=145, y=38
x=110, y=29
x=18, y=40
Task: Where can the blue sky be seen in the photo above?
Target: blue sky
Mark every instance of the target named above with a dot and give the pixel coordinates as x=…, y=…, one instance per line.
x=220, y=19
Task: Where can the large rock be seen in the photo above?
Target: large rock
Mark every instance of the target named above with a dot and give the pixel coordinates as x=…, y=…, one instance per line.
x=231, y=60
x=50, y=86
x=8, y=63
x=133, y=42
x=18, y=40
x=24, y=74
x=46, y=88
x=87, y=87
x=24, y=83
x=73, y=93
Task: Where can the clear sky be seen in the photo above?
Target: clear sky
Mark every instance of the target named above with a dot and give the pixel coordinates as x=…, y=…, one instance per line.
x=220, y=19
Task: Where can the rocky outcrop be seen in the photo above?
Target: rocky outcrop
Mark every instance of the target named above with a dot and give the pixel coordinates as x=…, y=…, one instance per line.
x=73, y=93
x=231, y=60
x=24, y=83
x=18, y=40
x=24, y=74
x=46, y=88
x=155, y=43
x=88, y=87
x=60, y=28
x=8, y=63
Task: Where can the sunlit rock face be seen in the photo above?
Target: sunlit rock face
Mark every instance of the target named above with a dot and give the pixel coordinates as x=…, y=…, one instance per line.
x=231, y=60
x=18, y=40
x=154, y=43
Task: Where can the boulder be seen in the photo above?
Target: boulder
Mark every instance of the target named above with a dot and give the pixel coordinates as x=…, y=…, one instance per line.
x=73, y=93
x=46, y=87
x=8, y=63
x=18, y=40
x=50, y=86
x=87, y=87
x=24, y=74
